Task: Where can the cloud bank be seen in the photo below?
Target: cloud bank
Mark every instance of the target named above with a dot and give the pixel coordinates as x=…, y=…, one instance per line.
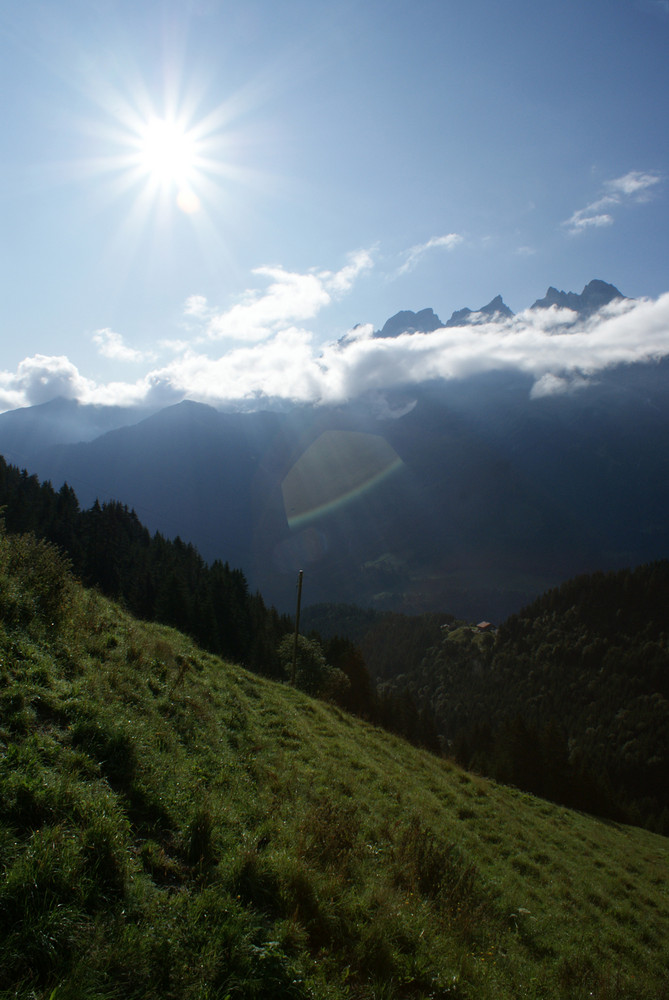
x=273, y=353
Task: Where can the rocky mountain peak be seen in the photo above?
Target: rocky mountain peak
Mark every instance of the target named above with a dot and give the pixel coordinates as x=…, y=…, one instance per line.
x=596, y=294
x=464, y=317
x=407, y=321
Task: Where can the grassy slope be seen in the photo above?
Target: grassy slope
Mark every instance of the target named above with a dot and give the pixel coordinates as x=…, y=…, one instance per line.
x=172, y=826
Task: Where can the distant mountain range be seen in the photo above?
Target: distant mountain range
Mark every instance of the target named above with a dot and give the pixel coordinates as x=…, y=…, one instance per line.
x=595, y=295
x=464, y=496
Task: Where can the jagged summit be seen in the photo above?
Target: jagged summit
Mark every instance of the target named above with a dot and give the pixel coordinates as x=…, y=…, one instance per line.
x=596, y=294
x=496, y=307
x=407, y=321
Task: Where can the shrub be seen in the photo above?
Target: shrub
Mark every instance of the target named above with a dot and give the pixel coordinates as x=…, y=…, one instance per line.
x=35, y=581
x=313, y=673
x=199, y=842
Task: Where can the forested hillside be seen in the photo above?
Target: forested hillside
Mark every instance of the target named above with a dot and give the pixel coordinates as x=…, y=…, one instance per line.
x=570, y=698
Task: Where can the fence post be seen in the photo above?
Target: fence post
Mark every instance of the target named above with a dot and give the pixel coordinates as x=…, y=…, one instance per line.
x=297, y=626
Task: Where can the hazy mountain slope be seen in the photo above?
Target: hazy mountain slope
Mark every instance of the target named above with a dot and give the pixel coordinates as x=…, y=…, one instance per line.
x=187, y=470
x=483, y=498
x=172, y=826
x=26, y=433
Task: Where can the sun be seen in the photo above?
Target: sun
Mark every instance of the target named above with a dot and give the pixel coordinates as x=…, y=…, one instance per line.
x=167, y=152
x=169, y=158
x=161, y=156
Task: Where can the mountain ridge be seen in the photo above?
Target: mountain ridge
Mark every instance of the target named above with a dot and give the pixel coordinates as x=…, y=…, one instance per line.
x=595, y=294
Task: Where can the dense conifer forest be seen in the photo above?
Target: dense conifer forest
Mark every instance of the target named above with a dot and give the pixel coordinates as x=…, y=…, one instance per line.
x=568, y=699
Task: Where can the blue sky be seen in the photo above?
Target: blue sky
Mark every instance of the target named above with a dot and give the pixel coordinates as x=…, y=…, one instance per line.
x=200, y=198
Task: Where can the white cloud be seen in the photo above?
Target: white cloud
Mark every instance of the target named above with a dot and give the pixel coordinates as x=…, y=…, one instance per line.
x=557, y=385
x=286, y=366
x=546, y=320
x=585, y=219
x=634, y=186
x=41, y=378
x=290, y=298
x=111, y=346
x=413, y=255
x=343, y=280
x=196, y=305
x=634, y=183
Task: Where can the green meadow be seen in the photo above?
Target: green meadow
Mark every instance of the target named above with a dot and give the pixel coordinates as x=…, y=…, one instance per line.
x=173, y=826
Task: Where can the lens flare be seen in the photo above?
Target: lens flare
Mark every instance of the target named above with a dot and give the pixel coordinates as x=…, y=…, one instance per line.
x=336, y=469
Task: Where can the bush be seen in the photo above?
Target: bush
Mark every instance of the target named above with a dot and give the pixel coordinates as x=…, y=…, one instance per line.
x=313, y=673
x=35, y=581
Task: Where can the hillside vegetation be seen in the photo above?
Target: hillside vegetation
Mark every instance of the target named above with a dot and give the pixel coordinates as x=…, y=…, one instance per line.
x=168, y=581
x=569, y=699
x=172, y=826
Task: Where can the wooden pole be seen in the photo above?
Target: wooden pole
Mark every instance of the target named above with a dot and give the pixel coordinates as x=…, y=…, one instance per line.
x=297, y=626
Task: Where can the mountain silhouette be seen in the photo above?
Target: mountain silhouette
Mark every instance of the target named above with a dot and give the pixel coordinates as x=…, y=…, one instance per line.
x=595, y=295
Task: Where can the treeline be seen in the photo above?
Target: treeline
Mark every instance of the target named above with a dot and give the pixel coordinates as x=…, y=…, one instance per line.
x=156, y=579
x=167, y=581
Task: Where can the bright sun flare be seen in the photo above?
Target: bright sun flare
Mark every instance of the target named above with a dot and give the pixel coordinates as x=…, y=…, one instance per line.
x=168, y=156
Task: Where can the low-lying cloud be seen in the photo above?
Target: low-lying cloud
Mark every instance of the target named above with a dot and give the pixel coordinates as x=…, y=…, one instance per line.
x=290, y=366
x=41, y=378
x=278, y=355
